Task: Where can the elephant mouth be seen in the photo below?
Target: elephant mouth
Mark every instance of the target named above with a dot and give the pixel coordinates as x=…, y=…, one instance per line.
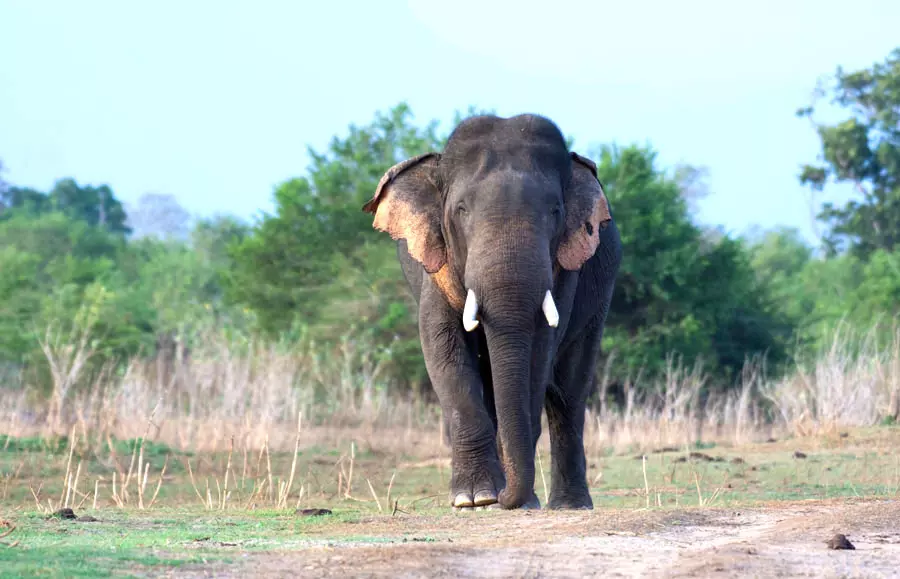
x=470, y=311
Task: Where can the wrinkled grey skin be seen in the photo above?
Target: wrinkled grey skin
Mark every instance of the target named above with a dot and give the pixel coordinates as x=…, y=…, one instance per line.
x=491, y=214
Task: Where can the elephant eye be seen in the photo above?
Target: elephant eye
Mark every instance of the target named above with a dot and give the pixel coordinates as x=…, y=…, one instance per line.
x=461, y=209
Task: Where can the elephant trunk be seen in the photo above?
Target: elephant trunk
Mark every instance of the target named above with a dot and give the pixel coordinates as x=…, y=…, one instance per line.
x=509, y=293
x=510, y=365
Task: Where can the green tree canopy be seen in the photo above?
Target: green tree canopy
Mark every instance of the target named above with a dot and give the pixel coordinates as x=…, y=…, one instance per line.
x=318, y=244
x=678, y=290
x=95, y=205
x=862, y=150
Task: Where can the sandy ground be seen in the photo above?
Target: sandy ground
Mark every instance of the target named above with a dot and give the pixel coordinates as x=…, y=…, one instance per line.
x=782, y=540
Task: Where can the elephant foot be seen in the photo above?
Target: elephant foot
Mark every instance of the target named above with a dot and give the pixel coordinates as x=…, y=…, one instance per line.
x=476, y=488
x=533, y=504
x=581, y=501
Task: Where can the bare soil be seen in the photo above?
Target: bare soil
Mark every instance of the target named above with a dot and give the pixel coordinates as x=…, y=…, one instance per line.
x=778, y=540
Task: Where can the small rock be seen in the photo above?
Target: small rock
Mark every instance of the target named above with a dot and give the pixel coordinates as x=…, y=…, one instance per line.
x=844, y=434
x=65, y=513
x=798, y=454
x=87, y=519
x=771, y=440
x=737, y=460
x=312, y=512
x=839, y=541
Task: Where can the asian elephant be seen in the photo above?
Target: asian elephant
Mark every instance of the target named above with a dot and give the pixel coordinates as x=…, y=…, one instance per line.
x=508, y=244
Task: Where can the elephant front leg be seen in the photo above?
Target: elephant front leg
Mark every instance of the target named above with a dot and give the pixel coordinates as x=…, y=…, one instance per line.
x=565, y=403
x=453, y=366
x=477, y=476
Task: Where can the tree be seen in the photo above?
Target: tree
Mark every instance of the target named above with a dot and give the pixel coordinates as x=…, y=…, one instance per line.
x=780, y=258
x=864, y=151
x=211, y=240
x=24, y=199
x=51, y=264
x=679, y=290
x=96, y=206
x=319, y=245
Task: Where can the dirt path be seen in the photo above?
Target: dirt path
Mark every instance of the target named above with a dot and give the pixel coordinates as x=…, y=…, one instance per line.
x=785, y=540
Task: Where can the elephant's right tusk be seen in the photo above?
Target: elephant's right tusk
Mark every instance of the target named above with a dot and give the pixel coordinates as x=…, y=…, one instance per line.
x=549, y=307
x=469, y=312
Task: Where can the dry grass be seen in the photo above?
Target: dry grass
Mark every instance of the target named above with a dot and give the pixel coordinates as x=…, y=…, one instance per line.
x=252, y=393
x=674, y=413
x=855, y=381
x=247, y=397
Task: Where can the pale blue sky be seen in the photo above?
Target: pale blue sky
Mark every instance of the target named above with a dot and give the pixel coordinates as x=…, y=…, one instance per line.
x=215, y=101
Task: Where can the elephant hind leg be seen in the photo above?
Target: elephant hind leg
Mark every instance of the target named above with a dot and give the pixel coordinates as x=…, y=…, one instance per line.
x=565, y=404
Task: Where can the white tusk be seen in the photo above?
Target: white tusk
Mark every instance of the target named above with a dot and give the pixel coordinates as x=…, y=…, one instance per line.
x=469, y=311
x=550, y=312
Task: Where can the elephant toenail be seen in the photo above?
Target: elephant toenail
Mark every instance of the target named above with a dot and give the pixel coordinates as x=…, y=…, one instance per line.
x=463, y=500
x=483, y=498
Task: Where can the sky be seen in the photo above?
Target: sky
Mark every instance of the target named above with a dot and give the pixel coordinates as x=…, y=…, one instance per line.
x=215, y=102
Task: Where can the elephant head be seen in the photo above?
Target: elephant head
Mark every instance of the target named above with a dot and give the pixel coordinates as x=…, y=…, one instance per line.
x=492, y=219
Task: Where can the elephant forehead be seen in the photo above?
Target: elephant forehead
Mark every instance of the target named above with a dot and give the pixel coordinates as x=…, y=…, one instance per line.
x=509, y=184
x=507, y=161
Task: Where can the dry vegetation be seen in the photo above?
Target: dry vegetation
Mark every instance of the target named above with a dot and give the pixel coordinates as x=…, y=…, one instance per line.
x=245, y=403
x=255, y=431
x=253, y=393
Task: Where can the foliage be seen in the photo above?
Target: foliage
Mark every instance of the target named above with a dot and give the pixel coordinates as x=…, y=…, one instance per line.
x=317, y=263
x=859, y=282
x=95, y=205
x=57, y=262
x=664, y=301
x=862, y=150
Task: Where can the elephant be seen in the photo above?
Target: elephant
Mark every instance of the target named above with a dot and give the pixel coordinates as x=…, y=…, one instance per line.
x=507, y=242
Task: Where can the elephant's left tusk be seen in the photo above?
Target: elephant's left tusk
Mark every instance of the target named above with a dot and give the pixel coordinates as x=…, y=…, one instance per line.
x=469, y=312
x=550, y=312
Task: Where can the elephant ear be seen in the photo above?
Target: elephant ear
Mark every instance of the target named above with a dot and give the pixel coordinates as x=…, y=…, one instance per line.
x=407, y=205
x=587, y=213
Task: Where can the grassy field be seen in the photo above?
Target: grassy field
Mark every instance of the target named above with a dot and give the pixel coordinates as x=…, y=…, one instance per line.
x=184, y=516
